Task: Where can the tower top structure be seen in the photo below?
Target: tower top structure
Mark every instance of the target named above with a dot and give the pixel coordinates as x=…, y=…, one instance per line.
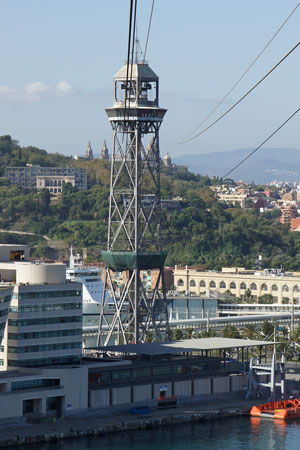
x=134, y=230
x=136, y=94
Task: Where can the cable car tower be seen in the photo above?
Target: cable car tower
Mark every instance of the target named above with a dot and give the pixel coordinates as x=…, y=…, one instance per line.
x=134, y=226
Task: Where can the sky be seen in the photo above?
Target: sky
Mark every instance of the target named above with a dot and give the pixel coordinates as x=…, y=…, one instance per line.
x=58, y=59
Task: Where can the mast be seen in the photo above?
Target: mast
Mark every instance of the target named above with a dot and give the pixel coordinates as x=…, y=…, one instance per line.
x=134, y=227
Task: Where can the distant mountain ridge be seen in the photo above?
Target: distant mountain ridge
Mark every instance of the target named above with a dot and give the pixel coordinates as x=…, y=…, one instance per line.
x=268, y=164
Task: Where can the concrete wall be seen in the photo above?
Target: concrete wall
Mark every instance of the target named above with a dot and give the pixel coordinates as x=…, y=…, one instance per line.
x=140, y=393
x=6, y=249
x=238, y=382
x=40, y=273
x=221, y=385
x=100, y=398
x=202, y=386
x=121, y=395
x=183, y=387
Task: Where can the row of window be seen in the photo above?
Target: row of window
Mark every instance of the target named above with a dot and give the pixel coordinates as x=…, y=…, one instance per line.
x=47, y=294
x=40, y=308
x=45, y=347
x=32, y=384
x=6, y=298
x=44, y=334
x=3, y=312
x=49, y=321
x=37, y=362
x=145, y=372
x=232, y=285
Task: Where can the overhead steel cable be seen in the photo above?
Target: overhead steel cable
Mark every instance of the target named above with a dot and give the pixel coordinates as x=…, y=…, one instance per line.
x=241, y=99
x=148, y=32
x=257, y=148
x=128, y=56
x=245, y=72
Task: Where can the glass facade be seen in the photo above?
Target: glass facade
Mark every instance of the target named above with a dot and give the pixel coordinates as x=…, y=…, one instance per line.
x=43, y=321
x=42, y=308
x=47, y=294
x=44, y=334
x=37, y=362
x=44, y=347
x=33, y=384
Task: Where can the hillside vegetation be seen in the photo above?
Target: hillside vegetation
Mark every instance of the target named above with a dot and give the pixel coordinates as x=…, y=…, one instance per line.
x=202, y=232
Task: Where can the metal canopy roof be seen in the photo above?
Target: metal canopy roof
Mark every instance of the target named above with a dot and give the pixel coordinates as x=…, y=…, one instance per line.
x=136, y=70
x=188, y=345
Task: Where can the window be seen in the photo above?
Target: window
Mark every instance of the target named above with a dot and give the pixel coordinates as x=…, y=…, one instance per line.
x=253, y=287
x=31, y=384
x=27, y=406
x=232, y=285
x=274, y=287
x=142, y=373
x=264, y=287
x=163, y=370
x=180, y=283
x=44, y=347
x=121, y=375
x=222, y=285
x=49, y=321
x=212, y=284
x=296, y=289
x=202, y=283
x=243, y=286
x=192, y=283
x=41, y=308
x=285, y=288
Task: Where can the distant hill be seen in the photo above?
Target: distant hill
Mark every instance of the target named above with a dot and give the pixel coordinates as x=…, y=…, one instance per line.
x=268, y=164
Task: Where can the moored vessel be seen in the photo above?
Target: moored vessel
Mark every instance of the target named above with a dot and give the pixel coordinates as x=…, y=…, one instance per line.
x=280, y=409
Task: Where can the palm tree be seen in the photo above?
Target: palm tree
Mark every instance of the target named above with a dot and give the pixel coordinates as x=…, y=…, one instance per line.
x=250, y=332
x=231, y=332
x=207, y=334
x=189, y=333
x=178, y=334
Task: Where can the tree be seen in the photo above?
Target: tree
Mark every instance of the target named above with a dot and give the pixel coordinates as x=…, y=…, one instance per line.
x=189, y=333
x=266, y=299
x=207, y=334
x=178, y=334
x=267, y=328
x=231, y=332
x=249, y=332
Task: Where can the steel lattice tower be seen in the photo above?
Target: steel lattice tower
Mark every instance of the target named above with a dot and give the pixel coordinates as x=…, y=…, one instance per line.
x=134, y=227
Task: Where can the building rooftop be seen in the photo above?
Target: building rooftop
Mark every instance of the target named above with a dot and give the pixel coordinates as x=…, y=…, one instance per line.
x=186, y=346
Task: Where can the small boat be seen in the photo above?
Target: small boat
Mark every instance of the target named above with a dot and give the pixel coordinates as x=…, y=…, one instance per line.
x=280, y=409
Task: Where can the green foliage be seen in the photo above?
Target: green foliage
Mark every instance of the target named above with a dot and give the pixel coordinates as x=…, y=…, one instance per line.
x=267, y=328
x=202, y=232
x=266, y=299
x=231, y=332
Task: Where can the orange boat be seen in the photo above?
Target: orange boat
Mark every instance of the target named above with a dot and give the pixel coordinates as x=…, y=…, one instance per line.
x=281, y=409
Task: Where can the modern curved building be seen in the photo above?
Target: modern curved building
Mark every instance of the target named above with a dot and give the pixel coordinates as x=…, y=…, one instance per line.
x=40, y=312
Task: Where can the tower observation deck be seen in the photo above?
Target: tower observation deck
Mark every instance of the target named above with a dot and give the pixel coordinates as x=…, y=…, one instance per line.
x=134, y=226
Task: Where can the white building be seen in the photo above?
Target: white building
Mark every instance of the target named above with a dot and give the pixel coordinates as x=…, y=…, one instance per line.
x=44, y=323
x=284, y=287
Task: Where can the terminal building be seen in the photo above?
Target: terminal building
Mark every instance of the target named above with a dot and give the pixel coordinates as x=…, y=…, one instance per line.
x=155, y=374
x=45, y=374
x=284, y=287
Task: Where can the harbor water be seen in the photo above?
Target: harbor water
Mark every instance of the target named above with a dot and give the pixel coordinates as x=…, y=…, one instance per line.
x=239, y=433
